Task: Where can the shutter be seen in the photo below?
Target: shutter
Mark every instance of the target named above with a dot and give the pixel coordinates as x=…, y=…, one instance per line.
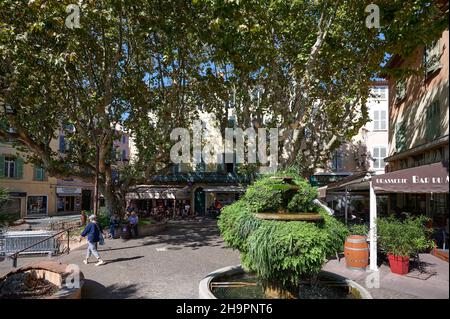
x=2, y=166
x=376, y=120
x=383, y=120
x=19, y=168
x=4, y=126
x=400, y=136
x=432, y=57
x=401, y=90
x=38, y=173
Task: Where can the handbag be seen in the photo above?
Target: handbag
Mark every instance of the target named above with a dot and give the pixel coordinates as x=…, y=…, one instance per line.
x=101, y=239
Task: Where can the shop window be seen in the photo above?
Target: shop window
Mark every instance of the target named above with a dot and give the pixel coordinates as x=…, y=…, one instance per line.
x=432, y=57
x=379, y=153
x=380, y=120
x=70, y=204
x=13, y=205
x=37, y=205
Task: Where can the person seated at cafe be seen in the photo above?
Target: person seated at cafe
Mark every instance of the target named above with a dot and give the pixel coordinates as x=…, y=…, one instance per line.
x=133, y=221
x=113, y=224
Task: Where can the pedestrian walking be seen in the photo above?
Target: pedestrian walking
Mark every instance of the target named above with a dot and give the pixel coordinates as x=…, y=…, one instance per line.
x=93, y=231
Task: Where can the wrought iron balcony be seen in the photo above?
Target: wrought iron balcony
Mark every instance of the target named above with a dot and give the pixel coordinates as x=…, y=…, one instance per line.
x=203, y=177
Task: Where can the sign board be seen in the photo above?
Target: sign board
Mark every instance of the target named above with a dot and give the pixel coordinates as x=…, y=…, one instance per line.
x=17, y=194
x=68, y=190
x=432, y=178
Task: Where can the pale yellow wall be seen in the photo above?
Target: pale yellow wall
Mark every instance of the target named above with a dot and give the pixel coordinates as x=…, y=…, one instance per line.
x=28, y=184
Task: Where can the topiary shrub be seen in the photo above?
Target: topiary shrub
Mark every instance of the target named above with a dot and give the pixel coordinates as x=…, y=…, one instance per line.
x=281, y=253
x=271, y=194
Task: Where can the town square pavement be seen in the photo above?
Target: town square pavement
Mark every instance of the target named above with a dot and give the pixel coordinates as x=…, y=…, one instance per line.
x=171, y=265
x=168, y=265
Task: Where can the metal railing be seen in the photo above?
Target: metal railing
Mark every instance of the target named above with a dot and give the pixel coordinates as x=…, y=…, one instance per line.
x=15, y=255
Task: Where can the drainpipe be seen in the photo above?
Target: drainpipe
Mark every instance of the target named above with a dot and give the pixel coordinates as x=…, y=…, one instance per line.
x=346, y=205
x=373, y=229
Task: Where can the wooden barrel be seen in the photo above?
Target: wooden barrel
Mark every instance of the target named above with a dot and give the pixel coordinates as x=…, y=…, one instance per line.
x=356, y=251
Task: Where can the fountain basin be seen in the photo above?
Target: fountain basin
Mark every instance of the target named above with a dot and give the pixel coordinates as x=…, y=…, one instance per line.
x=41, y=280
x=350, y=287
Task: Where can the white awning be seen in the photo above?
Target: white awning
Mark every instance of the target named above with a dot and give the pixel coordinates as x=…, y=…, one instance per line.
x=158, y=193
x=224, y=189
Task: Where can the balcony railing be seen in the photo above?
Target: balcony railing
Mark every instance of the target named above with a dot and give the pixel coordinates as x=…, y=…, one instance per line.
x=197, y=177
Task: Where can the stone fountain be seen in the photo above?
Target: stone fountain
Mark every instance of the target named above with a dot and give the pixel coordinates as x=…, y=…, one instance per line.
x=42, y=280
x=284, y=239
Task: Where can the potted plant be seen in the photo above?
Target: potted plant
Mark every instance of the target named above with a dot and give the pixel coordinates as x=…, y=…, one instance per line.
x=402, y=239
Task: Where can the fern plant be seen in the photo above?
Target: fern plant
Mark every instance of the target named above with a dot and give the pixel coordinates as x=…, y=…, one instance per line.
x=280, y=253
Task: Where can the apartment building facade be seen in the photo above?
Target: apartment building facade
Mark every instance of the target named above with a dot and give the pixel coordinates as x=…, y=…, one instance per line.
x=32, y=192
x=419, y=128
x=366, y=150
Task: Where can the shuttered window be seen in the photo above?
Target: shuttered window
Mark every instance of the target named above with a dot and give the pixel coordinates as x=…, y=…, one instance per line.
x=400, y=136
x=432, y=57
x=11, y=167
x=380, y=120
x=39, y=173
x=433, y=121
x=379, y=153
x=400, y=90
x=62, y=144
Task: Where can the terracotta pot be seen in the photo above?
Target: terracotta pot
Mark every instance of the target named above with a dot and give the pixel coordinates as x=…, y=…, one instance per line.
x=399, y=264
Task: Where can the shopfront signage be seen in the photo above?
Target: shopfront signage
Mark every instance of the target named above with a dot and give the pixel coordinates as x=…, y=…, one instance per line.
x=432, y=178
x=67, y=190
x=17, y=194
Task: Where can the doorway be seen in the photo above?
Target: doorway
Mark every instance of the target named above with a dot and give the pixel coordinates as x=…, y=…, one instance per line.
x=200, y=202
x=86, y=199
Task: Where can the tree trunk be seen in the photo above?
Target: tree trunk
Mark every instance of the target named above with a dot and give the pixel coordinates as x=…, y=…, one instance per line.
x=109, y=191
